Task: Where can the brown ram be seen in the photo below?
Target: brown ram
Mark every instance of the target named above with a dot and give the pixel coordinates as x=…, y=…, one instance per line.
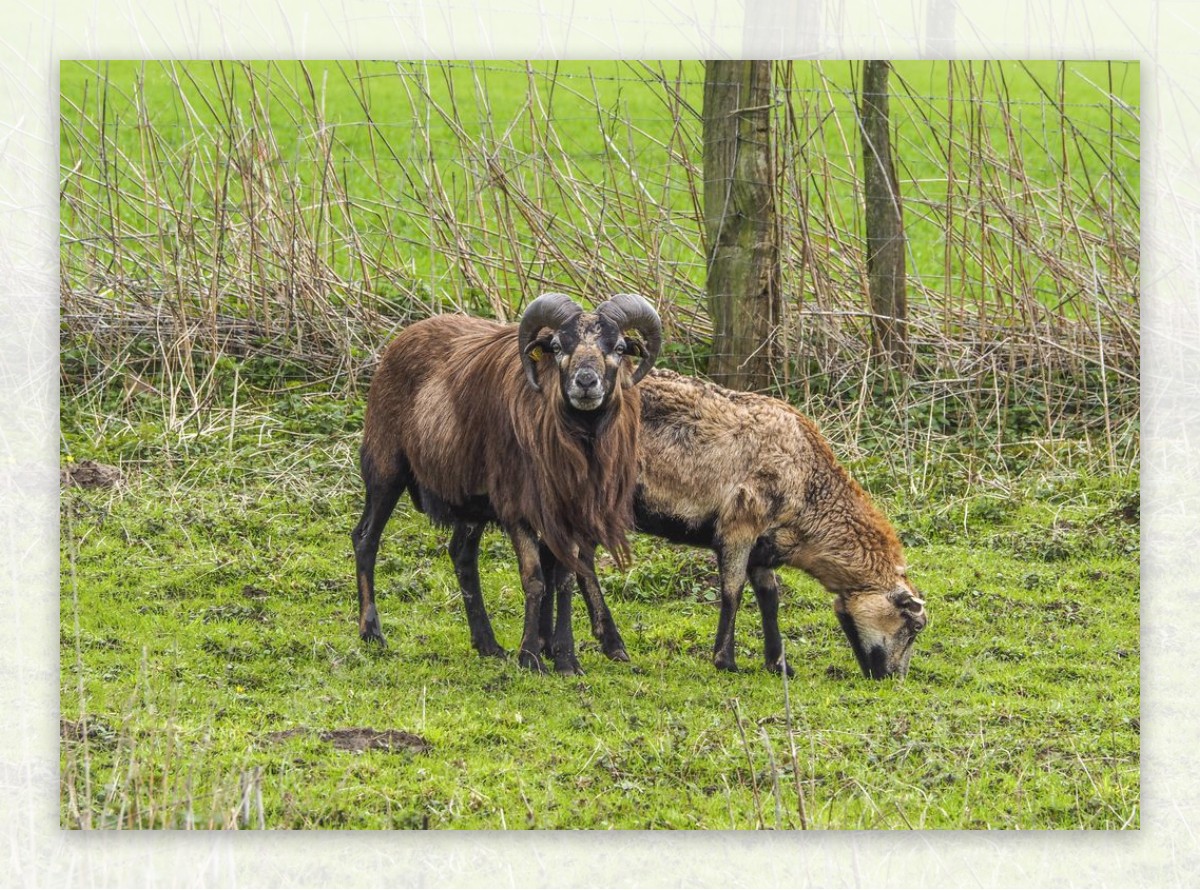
x=531, y=426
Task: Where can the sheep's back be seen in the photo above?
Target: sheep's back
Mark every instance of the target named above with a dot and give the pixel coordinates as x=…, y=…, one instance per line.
x=703, y=448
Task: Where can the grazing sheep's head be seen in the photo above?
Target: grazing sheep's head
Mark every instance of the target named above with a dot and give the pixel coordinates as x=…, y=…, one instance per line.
x=882, y=626
x=589, y=348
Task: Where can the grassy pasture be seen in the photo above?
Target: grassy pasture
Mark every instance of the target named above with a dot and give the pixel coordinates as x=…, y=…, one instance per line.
x=208, y=606
x=210, y=668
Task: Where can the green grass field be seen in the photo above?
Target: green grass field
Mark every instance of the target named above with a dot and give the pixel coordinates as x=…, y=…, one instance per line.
x=208, y=607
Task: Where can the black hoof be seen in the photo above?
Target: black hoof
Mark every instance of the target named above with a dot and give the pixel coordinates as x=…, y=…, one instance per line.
x=614, y=647
x=725, y=663
x=491, y=650
x=776, y=667
x=369, y=630
x=568, y=666
x=373, y=635
x=531, y=662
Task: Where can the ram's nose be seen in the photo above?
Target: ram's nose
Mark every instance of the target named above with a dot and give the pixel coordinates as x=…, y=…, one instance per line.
x=587, y=379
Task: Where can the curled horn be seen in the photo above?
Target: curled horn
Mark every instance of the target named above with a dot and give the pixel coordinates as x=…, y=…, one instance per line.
x=633, y=311
x=547, y=311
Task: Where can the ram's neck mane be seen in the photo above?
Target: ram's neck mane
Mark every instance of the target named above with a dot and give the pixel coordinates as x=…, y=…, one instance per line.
x=571, y=474
x=585, y=470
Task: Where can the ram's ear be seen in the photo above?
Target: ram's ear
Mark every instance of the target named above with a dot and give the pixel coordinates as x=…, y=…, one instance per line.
x=635, y=347
x=538, y=349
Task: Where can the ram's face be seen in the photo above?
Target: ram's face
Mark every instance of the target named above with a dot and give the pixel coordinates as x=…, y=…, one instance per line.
x=881, y=627
x=587, y=352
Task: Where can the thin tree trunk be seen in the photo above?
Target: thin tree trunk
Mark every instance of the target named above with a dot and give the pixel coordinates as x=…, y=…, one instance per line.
x=884, y=222
x=740, y=224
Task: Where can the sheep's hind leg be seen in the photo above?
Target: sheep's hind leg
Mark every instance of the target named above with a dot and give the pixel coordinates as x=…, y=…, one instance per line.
x=464, y=550
x=525, y=544
x=604, y=629
x=383, y=491
x=732, y=563
x=562, y=645
x=765, y=584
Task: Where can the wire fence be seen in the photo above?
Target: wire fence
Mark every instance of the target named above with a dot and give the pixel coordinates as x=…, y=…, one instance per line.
x=302, y=213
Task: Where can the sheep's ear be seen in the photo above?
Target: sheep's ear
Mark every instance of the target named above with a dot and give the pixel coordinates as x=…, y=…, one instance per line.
x=537, y=350
x=912, y=607
x=905, y=600
x=635, y=347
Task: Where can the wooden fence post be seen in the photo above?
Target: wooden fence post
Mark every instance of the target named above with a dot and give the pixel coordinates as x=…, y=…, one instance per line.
x=740, y=224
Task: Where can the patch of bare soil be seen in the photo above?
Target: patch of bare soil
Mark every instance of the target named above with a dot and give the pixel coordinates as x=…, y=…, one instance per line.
x=90, y=474
x=361, y=739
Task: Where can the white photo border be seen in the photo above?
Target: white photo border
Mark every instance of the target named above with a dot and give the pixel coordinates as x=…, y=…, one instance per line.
x=1162, y=35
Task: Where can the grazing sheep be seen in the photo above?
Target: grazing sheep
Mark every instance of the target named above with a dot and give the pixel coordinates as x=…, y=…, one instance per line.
x=753, y=479
x=467, y=416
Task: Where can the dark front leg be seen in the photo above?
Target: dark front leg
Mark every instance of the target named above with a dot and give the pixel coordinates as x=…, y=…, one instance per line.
x=464, y=550
x=765, y=584
x=732, y=563
x=383, y=490
x=525, y=544
x=604, y=628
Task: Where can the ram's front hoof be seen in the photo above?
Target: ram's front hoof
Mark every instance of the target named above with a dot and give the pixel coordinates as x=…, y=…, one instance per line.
x=567, y=666
x=725, y=662
x=531, y=662
x=777, y=667
x=491, y=649
x=614, y=648
x=369, y=630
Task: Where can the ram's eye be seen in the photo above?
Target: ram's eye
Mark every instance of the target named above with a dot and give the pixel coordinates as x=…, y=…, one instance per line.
x=620, y=350
x=555, y=347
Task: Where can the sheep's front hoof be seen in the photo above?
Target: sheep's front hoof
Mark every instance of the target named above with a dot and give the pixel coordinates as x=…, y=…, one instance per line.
x=614, y=648
x=725, y=662
x=777, y=667
x=369, y=630
x=567, y=665
x=530, y=661
x=485, y=644
x=565, y=662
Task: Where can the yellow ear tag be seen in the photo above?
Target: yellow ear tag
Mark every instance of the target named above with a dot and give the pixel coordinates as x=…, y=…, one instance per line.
x=536, y=353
